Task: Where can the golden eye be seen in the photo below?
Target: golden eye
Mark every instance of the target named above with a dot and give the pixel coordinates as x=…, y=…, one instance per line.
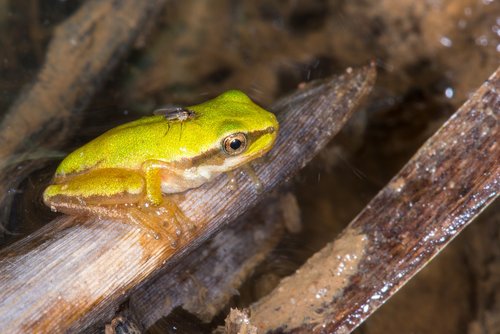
x=234, y=144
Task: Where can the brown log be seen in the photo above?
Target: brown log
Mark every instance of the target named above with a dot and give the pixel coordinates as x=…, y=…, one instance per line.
x=75, y=271
x=449, y=181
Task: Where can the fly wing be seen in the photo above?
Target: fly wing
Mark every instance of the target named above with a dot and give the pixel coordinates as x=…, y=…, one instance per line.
x=175, y=113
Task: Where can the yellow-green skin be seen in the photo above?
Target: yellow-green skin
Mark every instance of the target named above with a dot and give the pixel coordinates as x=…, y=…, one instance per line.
x=137, y=162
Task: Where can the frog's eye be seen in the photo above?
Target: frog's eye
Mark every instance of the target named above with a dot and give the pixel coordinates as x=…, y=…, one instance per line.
x=235, y=143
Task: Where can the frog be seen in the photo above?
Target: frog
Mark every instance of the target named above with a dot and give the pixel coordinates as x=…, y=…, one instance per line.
x=131, y=172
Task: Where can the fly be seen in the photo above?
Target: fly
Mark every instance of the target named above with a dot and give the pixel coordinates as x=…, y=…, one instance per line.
x=175, y=113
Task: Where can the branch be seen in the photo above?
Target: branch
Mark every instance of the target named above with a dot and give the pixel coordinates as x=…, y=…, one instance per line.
x=75, y=271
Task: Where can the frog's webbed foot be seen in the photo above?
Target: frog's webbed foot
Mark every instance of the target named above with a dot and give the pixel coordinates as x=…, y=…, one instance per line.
x=151, y=223
x=232, y=185
x=164, y=220
x=182, y=224
x=248, y=169
x=253, y=176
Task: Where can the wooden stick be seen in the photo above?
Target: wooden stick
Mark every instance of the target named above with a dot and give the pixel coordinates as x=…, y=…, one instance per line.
x=449, y=181
x=75, y=271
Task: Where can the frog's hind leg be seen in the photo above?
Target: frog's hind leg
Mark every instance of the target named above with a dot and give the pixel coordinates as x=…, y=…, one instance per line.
x=108, y=193
x=150, y=221
x=126, y=213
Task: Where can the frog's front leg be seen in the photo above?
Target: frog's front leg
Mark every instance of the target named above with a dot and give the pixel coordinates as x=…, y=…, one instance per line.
x=155, y=174
x=153, y=171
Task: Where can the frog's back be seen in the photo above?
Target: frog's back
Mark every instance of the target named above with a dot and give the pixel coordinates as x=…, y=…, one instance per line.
x=126, y=146
x=160, y=138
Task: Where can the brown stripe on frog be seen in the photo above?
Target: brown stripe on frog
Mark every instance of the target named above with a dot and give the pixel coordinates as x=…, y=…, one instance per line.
x=216, y=156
